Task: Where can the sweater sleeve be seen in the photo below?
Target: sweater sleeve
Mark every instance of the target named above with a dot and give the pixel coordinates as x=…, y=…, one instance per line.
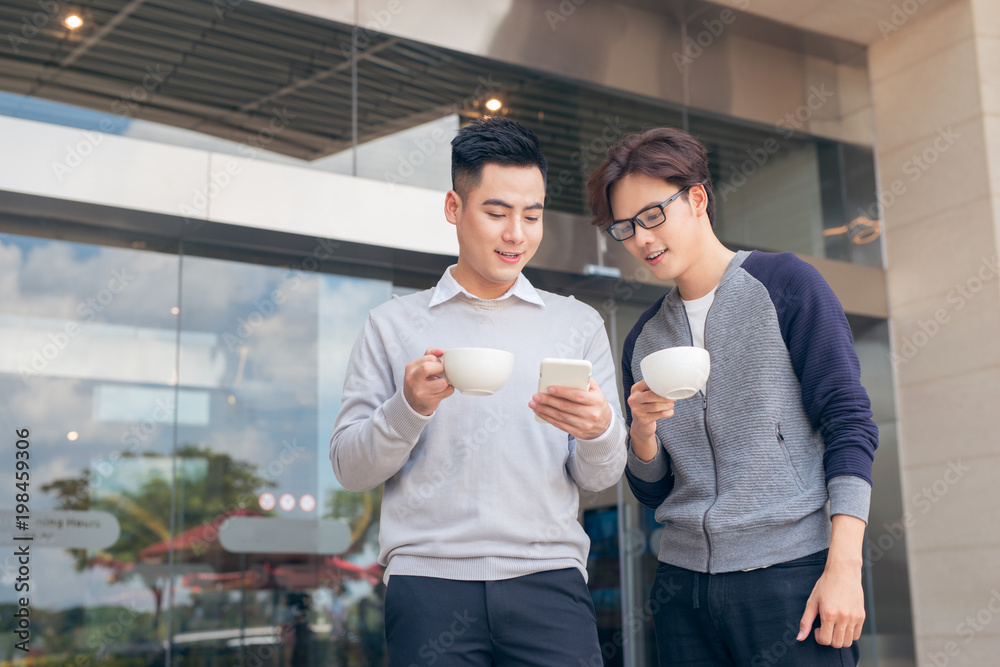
x=650, y=481
x=597, y=464
x=376, y=428
x=820, y=343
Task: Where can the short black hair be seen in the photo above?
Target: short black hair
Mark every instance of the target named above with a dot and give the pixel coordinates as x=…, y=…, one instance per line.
x=492, y=140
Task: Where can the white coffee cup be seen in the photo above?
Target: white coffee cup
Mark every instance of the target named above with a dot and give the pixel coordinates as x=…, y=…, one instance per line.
x=477, y=371
x=676, y=372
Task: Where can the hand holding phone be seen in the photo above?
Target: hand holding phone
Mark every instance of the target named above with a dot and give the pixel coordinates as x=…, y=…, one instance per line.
x=572, y=373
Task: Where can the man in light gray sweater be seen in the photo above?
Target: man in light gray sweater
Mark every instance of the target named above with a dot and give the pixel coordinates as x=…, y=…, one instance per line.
x=485, y=559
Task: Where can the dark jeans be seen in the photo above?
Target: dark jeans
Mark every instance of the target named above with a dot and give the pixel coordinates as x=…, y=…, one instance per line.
x=544, y=619
x=744, y=619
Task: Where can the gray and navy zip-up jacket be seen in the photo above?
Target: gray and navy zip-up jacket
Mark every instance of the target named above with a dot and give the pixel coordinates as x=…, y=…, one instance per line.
x=749, y=473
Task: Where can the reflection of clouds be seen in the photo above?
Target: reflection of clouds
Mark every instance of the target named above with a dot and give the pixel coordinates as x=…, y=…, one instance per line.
x=52, y=279
x=288, y=392
x=343, y=308
x=419, y=156
x=56, y=585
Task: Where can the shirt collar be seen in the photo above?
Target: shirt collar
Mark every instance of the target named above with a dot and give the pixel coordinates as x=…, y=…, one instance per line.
x=448, y=288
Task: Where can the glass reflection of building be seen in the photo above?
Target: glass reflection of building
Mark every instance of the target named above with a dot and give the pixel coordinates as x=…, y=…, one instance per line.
x=208, y=200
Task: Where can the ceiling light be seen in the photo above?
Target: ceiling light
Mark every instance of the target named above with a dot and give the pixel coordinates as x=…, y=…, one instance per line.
x=73, y=21
x=72, y=435
x=494, y=104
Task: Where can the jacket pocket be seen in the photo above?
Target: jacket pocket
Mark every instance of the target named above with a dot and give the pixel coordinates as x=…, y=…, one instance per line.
x=788, y=458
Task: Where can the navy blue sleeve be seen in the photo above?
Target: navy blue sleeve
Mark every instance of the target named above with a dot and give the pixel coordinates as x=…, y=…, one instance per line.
x=820, y=343
x=650, y=494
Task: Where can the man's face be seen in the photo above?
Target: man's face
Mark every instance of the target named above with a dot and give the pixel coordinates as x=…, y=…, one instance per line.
x=499, y=227
x=671, y=248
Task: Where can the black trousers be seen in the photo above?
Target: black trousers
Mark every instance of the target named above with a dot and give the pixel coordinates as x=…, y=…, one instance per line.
x=744, y=619
x=545, y=619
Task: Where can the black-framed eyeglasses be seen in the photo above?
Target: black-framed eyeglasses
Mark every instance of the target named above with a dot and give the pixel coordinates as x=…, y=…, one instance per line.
x=654, y=216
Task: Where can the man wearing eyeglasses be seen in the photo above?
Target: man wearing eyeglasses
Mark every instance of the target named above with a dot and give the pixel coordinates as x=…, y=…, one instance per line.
x=763, y=479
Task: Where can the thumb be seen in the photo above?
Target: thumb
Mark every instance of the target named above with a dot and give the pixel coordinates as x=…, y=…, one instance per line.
x=808, y=618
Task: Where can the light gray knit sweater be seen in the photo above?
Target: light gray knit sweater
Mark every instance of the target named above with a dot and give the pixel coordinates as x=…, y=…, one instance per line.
x=479, y=490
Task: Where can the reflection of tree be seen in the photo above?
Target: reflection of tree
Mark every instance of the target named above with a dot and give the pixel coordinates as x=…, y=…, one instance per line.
x=223, y=486
x=361, y=512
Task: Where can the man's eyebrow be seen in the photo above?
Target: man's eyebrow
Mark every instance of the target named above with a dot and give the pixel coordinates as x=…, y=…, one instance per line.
x=500, y=202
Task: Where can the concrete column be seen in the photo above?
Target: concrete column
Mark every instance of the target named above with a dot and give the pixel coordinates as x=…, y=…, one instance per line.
x=936, y=96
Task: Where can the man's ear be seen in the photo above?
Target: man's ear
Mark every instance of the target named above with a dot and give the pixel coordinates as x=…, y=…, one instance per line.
x=698, y=198
x=452, y=207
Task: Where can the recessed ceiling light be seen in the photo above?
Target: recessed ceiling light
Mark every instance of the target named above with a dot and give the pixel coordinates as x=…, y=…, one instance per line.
x=493, y=104
x=73, y=21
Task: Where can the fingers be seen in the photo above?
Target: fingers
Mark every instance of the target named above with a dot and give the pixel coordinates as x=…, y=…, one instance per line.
x=808, y=618
x=424, y=386
x=581, y=413
x=838, y=629
x=648, y=406
x=641, y=393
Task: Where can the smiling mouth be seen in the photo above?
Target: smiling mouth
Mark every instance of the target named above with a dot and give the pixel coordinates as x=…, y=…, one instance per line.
x=508, y=255
x=650, y=258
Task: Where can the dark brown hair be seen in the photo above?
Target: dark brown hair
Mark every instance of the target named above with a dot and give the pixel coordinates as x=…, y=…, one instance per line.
x=665, y=153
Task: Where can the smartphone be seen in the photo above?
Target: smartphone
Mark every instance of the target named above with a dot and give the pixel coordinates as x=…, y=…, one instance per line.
x=573, y=373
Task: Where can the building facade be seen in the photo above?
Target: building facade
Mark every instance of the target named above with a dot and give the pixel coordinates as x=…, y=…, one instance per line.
x=201, y=200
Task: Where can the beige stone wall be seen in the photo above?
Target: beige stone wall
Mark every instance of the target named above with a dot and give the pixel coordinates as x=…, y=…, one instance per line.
x=936, y=95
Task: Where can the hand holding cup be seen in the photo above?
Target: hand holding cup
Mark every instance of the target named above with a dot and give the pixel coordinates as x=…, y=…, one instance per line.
x=424, y=386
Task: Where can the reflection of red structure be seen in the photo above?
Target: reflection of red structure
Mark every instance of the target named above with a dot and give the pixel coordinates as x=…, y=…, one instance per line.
x=197, y=539
x=290, y=576
x=200, y=545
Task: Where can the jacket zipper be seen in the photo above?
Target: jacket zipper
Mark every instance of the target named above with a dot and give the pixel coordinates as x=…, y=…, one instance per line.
x=708, y=434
